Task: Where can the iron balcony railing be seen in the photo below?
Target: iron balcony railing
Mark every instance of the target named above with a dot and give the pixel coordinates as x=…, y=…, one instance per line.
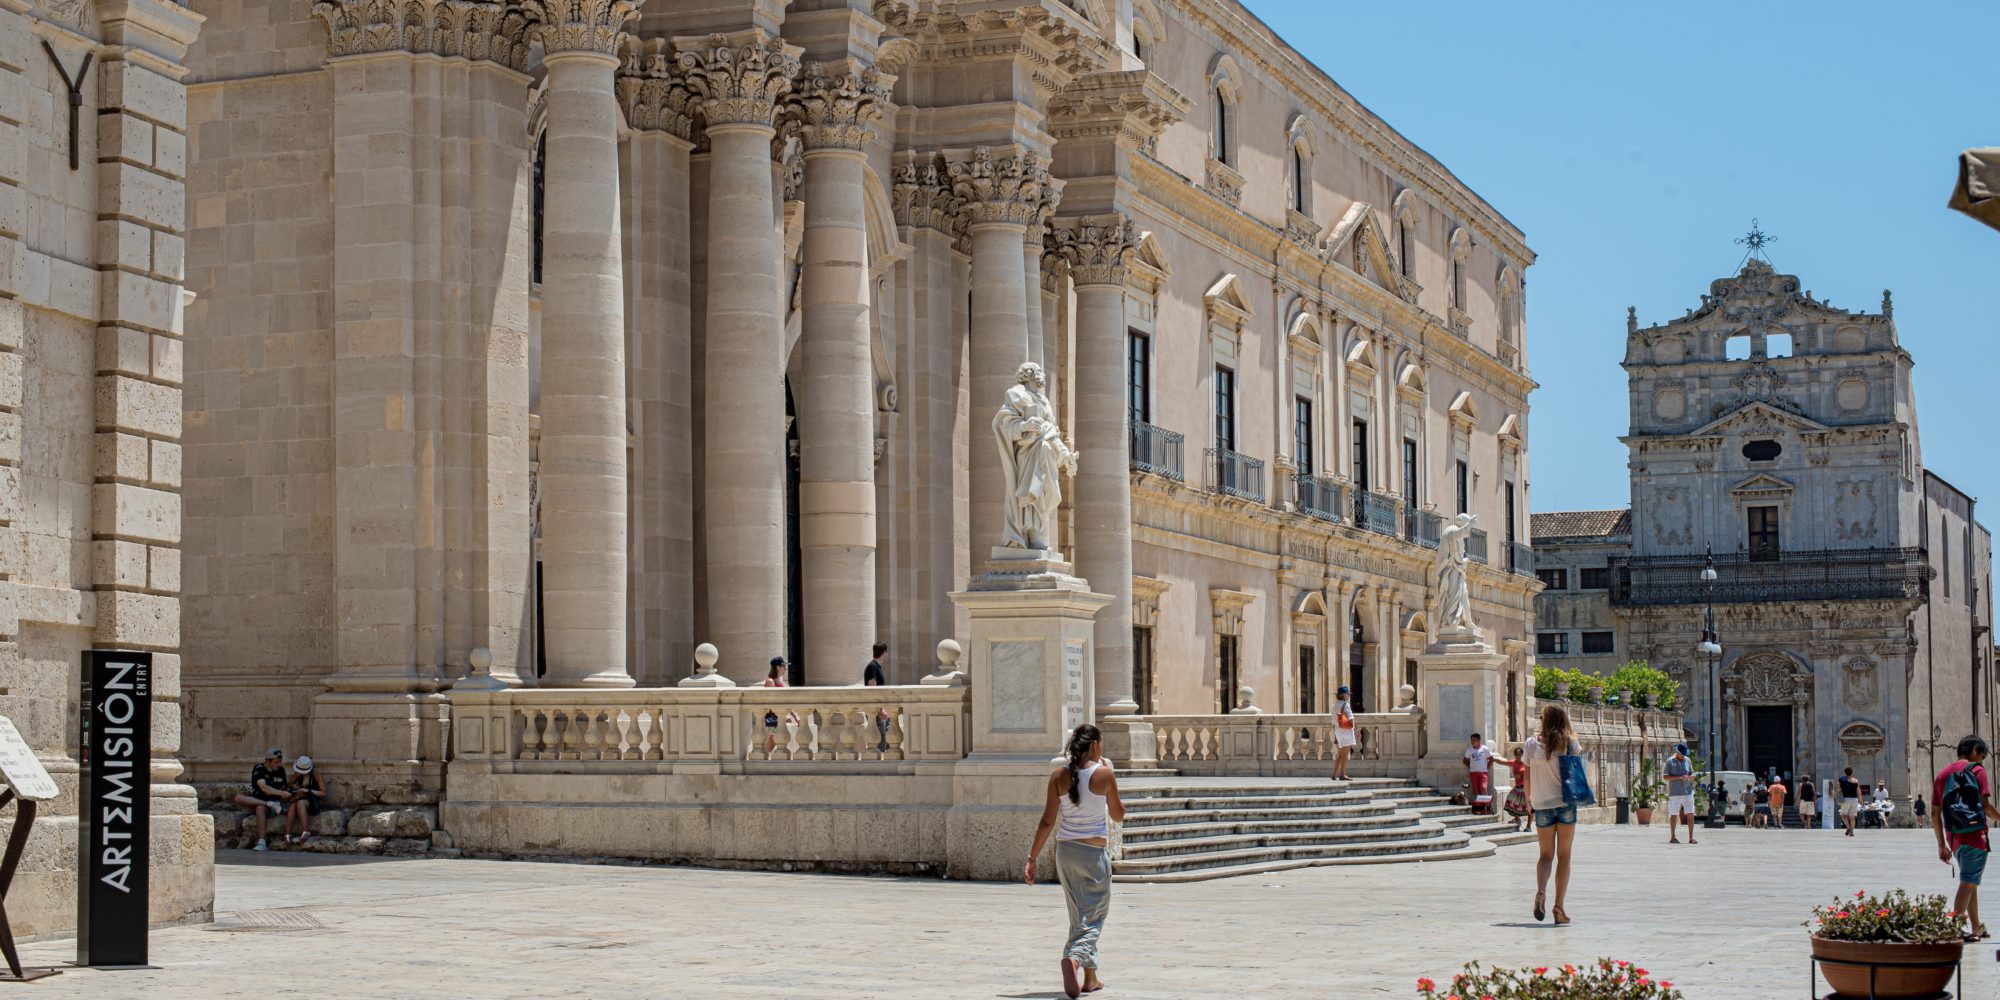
x=1421, y=527
x=1475, y=545
x=1319, y=497
x=1234, y=474
x=1521, y=559
x=1157, y=450
x=1376, y=511
x=1795, y=575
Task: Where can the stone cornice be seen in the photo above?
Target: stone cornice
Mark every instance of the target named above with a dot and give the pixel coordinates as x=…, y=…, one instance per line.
x=653, y=99
x=1055, y=43
x=738, y=79
x=1096, y=248
x=835, y=105
x=1130, y=107
x=1010, y=189
x=478, y=30
x=579, y=25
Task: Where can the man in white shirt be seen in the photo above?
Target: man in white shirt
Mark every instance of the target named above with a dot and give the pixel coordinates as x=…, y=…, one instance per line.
x=1478, y=766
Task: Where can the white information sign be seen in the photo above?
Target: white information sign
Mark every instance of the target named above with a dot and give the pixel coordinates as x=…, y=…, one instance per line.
x=20, y=768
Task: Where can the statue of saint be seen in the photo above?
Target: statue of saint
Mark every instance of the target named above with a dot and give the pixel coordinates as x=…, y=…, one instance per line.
x=1034, y=458
x=1454, y=600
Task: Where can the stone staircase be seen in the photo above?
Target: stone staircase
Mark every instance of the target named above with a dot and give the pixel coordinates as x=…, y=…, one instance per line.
x=1180, y=829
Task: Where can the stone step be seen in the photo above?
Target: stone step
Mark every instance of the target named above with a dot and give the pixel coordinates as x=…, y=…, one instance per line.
x=1149, y=818
x=1221, y=842
x=1147, y=772
x=1152, y=833
x=1469, y=849
x=1156, y=787
x=1431, y=840
x=1331, y=800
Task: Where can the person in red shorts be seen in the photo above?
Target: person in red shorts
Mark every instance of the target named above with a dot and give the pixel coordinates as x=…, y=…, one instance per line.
x=1964, y=797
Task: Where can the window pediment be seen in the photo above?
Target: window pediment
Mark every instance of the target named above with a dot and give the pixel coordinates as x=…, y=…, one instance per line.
x=1761, y=485
x=1226, y=301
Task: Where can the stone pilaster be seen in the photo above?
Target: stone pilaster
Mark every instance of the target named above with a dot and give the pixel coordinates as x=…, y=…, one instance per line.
x=739, y=81
x=1096, y=249
x=585, y=522
x=835, y=107
x=1002, y=197
x=654, y=176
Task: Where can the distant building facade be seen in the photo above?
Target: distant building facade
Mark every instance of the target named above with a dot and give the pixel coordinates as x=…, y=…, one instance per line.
x=1853, y=585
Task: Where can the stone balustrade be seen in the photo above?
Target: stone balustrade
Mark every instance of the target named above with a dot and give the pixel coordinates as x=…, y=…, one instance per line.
x=1388, y=744
x=562, y=729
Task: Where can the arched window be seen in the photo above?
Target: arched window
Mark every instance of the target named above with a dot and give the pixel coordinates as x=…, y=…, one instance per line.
x=1224, y=93
x=1223, y=150
x=1404, y=210
x=1461, y=249
x=1299, y=180
x=1299, y=174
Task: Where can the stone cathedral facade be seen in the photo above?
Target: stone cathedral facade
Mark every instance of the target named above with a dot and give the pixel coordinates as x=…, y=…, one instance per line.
x=1779, y=434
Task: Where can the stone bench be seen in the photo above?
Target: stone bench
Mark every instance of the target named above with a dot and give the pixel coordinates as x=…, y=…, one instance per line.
x=378, y=829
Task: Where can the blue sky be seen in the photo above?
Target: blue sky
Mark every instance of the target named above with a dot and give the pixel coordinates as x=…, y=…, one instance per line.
x=1633, y=143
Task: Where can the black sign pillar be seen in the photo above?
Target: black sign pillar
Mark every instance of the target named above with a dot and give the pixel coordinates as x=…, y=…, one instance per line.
x=114, y=825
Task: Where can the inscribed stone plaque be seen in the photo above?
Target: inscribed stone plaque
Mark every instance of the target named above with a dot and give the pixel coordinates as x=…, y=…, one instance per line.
x=20, y=768
x=1018, y=704
x=1073, y=698
x=1454, y=712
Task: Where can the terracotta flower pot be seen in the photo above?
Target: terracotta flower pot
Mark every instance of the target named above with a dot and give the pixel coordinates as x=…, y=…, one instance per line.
x=1898, y=970
x=1644, y=815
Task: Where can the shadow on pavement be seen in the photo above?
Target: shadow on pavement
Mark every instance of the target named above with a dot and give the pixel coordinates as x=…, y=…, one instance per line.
x=298, y=859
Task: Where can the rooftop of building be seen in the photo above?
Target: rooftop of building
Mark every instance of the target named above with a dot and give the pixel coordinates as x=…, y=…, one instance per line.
x=1559, y=525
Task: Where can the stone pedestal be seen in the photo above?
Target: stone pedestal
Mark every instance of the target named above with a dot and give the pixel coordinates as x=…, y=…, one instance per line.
x=1465, y=690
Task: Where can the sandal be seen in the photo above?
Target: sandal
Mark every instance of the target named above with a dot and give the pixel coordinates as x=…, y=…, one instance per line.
x=1561, y=917
x=1539, y=908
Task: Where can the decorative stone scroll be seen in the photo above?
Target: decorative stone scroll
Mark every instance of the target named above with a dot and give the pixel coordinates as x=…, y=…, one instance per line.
x=478, y=30
x=580, y=25
x=836, y=105
x=653, y=99
x=738, y=79
x=1096, y=248
x=1004, y=190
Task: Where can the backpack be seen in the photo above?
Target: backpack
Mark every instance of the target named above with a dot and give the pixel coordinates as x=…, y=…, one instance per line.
x=1960, y=806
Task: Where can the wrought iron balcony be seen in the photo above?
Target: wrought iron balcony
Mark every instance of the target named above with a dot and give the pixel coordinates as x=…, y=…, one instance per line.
x=1521, y=559
x=1376, y=511
x=1157, y=450
x=1319, y=497
x=1234, y=474
x=1786, y=575
x=1421, y=527
x=1475, y=545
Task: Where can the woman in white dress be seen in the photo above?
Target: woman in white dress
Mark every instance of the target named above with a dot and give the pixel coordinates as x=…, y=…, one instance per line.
x=1343, y=733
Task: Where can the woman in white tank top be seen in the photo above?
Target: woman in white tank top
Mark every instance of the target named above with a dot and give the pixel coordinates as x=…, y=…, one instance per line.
x=1082, y=804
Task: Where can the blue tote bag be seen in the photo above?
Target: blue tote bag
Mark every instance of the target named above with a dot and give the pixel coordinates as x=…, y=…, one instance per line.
x=1576, y=783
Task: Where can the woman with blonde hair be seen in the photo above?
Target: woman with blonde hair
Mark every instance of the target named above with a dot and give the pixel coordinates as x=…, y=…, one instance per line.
x=1082, y=805
x=1555, y=819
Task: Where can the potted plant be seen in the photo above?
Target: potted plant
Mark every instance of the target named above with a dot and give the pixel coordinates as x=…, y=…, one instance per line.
x=1646, y=790
x=1895, y=944
x=1605, y=980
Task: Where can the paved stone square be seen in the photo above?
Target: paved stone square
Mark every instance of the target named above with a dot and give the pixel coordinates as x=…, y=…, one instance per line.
x=1720, y=919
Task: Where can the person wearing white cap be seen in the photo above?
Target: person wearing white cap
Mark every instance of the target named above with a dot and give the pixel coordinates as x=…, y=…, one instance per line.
x=308, y=796
x=269, y=790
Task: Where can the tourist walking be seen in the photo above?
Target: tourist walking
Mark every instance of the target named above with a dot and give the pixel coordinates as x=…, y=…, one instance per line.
x=1679, y=773
x=1850, y=799
x=1964, y=796
x=1555, y=817
x=1082, y=804
x=873, y=675
x=1760, y=805
x=776, y=678
x=1343, y=733
x=1808, y=803
x=1774, y=795
x=270, y=789
x=1478, y=770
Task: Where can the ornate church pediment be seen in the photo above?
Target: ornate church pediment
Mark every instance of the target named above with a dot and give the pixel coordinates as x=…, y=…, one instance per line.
x=1755, y=417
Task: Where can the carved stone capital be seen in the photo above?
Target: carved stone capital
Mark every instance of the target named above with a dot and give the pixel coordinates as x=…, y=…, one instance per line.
x=923, y=197
x=1006, y=190
x=479, y=30
x=654, y=99
x=738, y=79
x=835, y=105
x=1096, y=248
x=580, y=25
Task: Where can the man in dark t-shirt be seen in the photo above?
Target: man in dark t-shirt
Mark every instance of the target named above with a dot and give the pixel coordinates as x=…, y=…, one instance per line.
x=269, y=788
x=873, y=675
x=1850, y=799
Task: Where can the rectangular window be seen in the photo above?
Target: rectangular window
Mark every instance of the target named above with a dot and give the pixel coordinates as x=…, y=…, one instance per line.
x=1225, y=408
x=1139, y=376
x=1410, y=472
x=1457, y=283
x=1944, y=558
x=1302, y=434
x=1600, y=642
x=1403, y=248
x=1552, y=643
x=1227, y=675
x=1763, y=530
x=1553, y=579
x=1308, y=680
x=1510, y=517
x=1593, y=578
x=1142, y=668
x=1361, y=454
x=1461, y=478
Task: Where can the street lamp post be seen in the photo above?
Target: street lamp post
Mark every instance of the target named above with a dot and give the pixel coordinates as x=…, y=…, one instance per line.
x=1711, y=645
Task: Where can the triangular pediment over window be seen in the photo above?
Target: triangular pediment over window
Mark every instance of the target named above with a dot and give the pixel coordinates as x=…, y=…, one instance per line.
x=1758, y=416
x=1762, y=484
x=1226, y=300
x=1357, y=242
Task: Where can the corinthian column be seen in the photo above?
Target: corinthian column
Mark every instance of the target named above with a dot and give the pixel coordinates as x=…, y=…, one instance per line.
x=583, y=475
x=1002, y=195
x=1096, y=249
x=835, y=105
x=739, y=80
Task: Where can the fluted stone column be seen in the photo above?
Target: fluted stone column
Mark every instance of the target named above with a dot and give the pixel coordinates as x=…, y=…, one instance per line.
x=739, y=80
x=1097, y=248
x=836, y=103
x=1003, y=195
x=583, y=473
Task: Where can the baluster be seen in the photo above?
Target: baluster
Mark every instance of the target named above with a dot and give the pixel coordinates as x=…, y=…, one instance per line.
x=642, y=735
x=1199, y=750
x=554, y=731
x=589, y=745
x=859, y=734
x=1177, y=744
x=628, y=733
x=531, y=736
x=897, y=735
x=1212, y=735
x=821, y=725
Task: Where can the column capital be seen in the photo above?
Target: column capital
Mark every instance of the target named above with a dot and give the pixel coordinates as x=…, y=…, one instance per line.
x=579, y=25
x=652, y=97
x=1096, y=247
x=1009, y=189
x=836, y=103
x=479, y=30
x=737, y=79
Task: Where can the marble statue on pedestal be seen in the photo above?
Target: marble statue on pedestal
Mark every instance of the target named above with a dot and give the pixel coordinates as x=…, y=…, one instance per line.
x=1034, y=457
x=1454, y=613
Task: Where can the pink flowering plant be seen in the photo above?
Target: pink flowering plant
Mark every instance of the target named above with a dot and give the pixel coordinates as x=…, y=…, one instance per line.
x=1609, y=979
x=1895, y=917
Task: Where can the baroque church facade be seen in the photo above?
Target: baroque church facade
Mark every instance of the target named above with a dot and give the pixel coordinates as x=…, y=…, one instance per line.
x=1777, y=435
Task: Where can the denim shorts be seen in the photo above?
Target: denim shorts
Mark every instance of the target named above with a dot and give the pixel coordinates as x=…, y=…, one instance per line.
x=1562, y=815
x=1971, y=864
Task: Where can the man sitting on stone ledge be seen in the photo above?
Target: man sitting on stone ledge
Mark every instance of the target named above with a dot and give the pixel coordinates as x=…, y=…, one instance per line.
x=270, y=788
